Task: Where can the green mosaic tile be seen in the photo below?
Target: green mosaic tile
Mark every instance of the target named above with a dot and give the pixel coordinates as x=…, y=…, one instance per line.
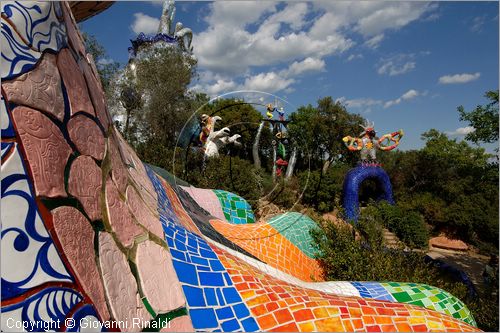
x=236, y=209
x=296, y=228
x=402, y=297
x=431, y=298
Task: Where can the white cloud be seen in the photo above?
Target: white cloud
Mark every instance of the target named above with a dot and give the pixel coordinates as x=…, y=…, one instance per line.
x=459, y=78
x=477, y=23
x=144, y=23
x=372, y=18
x=238, y=13
x=410, y=94
x=461, y=131
x=359, y=102
x=105, y=61
x=220, y=86
x=295, y=37
x=375, y=41
x=307, y=65
x=268, y=82
x=431, y=17
x=355, y=56
x=397, y=65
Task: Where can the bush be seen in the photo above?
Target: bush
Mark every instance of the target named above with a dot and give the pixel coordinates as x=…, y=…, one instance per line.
x=344, y=258
x=408, y=225
x=323, y=192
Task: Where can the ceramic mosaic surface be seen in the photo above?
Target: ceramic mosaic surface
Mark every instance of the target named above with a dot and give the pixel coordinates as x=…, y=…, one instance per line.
x=295, y=227
x=236, y=209
x=91, y=235
x=429, y=297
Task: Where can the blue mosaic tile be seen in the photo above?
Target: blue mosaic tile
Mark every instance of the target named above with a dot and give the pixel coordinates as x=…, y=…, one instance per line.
x=227, y=278
x=194, y=296
x=203, y=318
x=216, y=266
x=185, y=272
x=211, y=279
x=231, y=295
x=198, y=267
x=230, y=325
x=210, y=296
x=204, y=268
x=178, y=254
x=224, y=313
x=241, y=310
x=373, y=290
x=199, y=261
x=250, y=325
x=208, y=254
x=219, y=296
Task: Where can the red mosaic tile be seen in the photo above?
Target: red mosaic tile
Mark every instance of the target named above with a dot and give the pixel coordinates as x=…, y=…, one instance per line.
x=283, y=315
x=303, y=315
x=291, y=327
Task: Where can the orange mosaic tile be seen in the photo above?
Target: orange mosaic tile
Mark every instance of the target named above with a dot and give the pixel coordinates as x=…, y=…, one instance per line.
x=264, y=242
x=281, y=306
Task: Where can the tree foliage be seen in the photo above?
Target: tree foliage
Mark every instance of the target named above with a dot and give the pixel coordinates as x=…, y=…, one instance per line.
x=162, y=80
x=318, y=131
x=107, y=68
x=484, y=119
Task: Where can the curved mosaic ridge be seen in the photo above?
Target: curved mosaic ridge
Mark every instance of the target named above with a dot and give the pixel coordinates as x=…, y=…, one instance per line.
x=90, y=233
x=296, y=228
x=236, y=209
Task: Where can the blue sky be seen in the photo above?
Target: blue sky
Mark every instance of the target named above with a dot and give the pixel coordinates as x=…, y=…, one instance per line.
x=401, y=64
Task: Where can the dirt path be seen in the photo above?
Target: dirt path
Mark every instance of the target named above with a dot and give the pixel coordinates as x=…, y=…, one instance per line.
x=471, y=264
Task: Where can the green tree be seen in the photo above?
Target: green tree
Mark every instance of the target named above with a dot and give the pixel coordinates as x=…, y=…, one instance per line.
x=319, y=131
x=452, y=184
x=162, y=80
x=107, y=68
x=484, y=119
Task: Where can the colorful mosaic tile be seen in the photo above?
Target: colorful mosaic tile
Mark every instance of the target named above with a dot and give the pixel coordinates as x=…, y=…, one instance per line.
x=295, y=227
x=235, y=208
x=267, y=244
x=138, y=245
x=212, y=300
x=373, y=290
x=431, y=298
x=281, y=306
x=207, y=199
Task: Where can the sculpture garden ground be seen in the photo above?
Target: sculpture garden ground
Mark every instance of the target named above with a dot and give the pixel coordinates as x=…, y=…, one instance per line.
x=213, y=227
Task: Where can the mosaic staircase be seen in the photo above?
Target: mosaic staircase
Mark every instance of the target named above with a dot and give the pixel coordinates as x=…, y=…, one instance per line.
x=92, y=238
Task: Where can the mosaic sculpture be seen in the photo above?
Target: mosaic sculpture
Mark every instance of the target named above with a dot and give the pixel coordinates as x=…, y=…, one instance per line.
x=93, y=239
x=367, y=143
x=213, y=140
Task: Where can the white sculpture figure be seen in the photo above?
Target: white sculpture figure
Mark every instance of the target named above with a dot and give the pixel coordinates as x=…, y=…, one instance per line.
x=214, y=140
x=183, y=35
x=167, y=17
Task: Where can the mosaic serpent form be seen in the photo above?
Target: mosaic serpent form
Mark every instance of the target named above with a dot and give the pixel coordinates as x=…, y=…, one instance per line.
x=93, y=237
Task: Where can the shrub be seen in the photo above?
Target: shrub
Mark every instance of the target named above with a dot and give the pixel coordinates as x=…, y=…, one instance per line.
x=344, y=258
x=408, y=225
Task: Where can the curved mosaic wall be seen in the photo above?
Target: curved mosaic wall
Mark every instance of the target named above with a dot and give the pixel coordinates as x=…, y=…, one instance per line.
x=92, y=237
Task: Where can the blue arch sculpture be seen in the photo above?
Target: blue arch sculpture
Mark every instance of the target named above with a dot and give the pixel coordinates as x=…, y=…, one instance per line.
x=353, y=181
